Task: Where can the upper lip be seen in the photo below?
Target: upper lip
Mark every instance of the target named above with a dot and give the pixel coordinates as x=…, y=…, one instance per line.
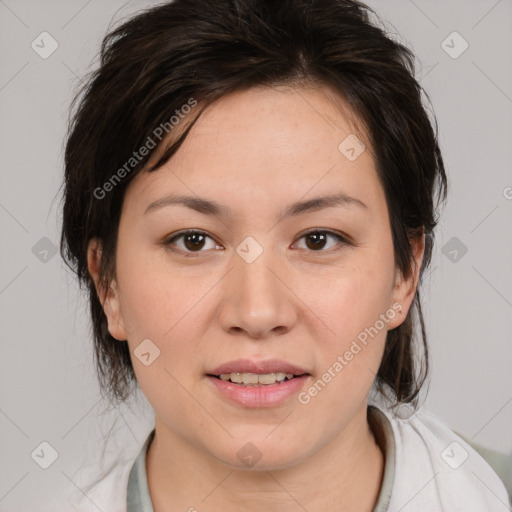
x=252, y=366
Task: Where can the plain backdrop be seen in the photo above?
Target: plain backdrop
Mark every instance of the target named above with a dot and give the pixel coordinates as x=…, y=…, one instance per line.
x=48, y=389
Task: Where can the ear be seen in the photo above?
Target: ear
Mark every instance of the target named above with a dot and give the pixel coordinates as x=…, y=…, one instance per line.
x=109, y=298
x=405, y=288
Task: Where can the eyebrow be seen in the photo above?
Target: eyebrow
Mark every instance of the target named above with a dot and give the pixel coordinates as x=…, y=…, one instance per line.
x=209, y=207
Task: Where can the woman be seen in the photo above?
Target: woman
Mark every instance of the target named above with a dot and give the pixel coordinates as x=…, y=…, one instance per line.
x=251, y=192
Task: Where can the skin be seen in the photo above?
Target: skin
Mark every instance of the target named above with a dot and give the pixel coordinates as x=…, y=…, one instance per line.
x=256, y=152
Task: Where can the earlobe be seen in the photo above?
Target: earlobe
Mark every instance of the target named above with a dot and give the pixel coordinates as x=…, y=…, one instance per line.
x=108, y=297
x=112, y=311
x=405, y=288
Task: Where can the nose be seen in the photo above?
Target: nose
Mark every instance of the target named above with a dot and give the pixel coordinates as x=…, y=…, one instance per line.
x=257, y=300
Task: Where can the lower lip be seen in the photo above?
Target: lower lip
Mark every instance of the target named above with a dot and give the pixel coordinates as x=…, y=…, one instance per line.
x=259, y=396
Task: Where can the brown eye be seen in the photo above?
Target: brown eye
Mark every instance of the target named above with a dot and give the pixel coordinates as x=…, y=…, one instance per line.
x=316, y=240
x=191, y=242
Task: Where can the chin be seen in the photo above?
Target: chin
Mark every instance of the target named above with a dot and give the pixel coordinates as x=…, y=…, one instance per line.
x=261, y=455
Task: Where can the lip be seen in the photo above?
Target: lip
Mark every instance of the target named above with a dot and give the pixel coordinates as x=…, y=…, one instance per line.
x=259, y=396
x=252, y=366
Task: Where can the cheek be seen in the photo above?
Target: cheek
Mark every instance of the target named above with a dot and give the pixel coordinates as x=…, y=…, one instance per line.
x=164, y=306
x=349, y=358
x=351, y=300
x=352, y=304
x=148, y=291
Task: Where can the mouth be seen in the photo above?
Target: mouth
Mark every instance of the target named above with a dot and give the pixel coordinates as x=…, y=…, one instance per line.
x=251, y=383
x=248, y=379
x=254, y=373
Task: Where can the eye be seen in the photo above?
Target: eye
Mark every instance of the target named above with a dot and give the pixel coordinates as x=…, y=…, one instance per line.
x=316, y=240
x=194, y=241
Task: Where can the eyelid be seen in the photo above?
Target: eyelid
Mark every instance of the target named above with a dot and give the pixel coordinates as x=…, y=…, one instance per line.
x=167, y=241
x=344, y=238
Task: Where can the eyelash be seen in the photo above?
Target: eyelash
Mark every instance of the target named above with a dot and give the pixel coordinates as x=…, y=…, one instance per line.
x=169, y=241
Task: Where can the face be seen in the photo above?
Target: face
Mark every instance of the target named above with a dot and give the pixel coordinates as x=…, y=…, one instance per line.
x=312, y=287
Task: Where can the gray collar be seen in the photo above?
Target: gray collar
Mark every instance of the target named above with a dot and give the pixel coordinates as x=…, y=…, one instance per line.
x=138, y=498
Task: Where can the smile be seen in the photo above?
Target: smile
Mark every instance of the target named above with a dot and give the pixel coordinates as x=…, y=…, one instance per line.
x=255, y=379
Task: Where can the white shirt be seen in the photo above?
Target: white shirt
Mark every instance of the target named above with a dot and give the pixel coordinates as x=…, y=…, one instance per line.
x=428, y=468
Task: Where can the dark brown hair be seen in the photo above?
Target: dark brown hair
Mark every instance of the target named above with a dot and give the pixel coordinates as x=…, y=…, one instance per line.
x=159, y=59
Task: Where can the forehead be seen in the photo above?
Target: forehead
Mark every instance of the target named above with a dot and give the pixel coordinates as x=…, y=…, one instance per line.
x=265, y=145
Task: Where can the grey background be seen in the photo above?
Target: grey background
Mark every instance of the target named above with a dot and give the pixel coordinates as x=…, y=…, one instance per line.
x=48, y=389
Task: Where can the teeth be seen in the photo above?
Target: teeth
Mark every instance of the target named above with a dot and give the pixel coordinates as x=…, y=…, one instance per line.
x=251, y=379
x=236, y=377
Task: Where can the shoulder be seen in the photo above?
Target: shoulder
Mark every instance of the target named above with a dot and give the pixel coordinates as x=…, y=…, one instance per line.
x=106, y=491
x=435, y=469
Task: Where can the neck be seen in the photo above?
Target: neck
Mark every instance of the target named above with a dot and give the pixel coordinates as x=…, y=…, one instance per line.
x=344, y=474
